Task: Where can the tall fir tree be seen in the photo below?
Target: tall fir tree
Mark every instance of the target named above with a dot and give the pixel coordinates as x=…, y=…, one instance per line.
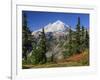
x=70, y=42
x=26, y=37
x=43, y=47
x=83, y=32
x=34, y=52
x=69, y=45
x=87, y=39
x=78, y=41
x=82, y=39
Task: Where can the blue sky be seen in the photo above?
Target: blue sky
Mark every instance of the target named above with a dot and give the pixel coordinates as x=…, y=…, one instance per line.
x=37, y=20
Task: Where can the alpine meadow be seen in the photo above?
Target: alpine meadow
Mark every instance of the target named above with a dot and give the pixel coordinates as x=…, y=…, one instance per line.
x=54, y=39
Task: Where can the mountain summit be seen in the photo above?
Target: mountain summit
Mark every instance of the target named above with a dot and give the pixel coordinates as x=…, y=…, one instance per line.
x=57, y=26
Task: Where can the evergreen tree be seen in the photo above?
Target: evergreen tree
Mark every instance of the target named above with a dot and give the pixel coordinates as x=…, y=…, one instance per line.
x=26, y=37
x=78, y=41
x=70, y=42
x=82, y=39
x=39, y=50
x=69, y=45
x=34, y=52
x=83, y=32
x=42, y=48
x=87, y=39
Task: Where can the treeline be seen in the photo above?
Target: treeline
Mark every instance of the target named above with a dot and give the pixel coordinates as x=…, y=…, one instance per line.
x=78, y=41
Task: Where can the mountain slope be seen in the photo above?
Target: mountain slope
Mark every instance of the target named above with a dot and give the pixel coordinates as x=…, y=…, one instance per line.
x=56, y=34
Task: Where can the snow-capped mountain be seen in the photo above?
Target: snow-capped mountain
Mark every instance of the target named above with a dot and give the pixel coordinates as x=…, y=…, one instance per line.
x=57, y=26
x=57, y=30
x=56, y=35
